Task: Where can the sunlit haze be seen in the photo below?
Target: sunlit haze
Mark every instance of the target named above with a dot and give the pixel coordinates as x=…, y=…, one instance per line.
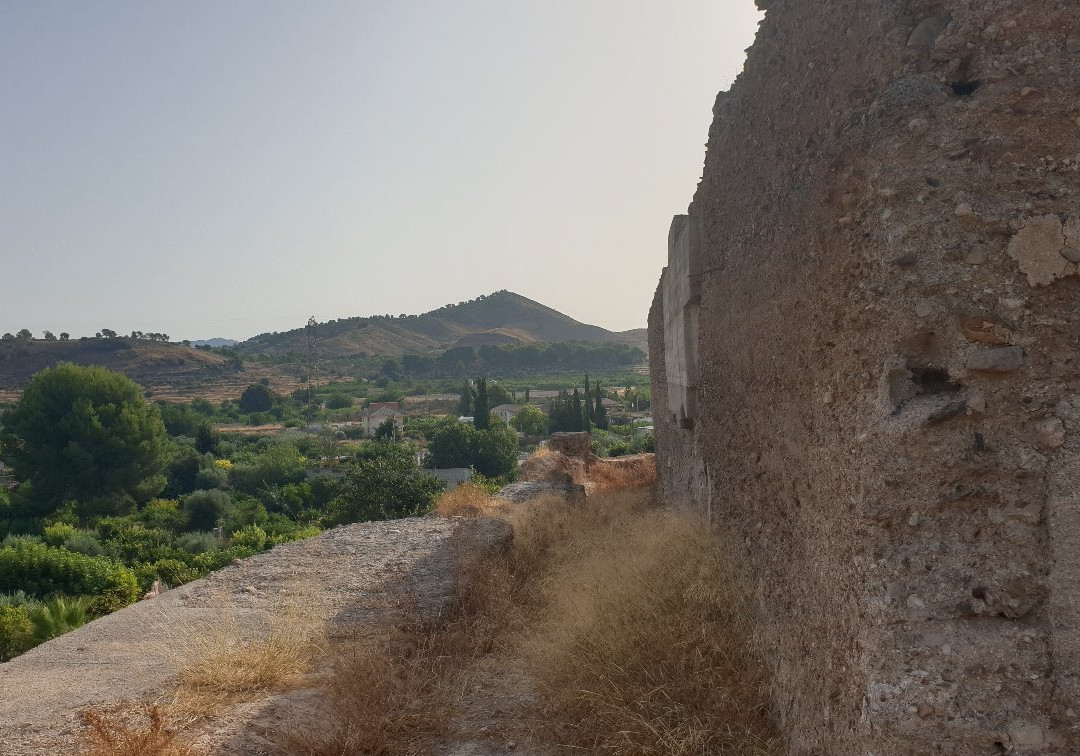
x=226, y=168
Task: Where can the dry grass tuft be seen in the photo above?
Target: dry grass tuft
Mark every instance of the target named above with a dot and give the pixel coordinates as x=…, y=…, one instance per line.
x=546, y=465
x=645, y=644
x=382, y=698
x=396, y=694
x=468, y=500
x=623, y=473
x=630, y=619
x=143, y=732
x=229, y=661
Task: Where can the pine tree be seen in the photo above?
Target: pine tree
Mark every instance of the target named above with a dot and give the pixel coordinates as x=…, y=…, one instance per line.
x=481, y=411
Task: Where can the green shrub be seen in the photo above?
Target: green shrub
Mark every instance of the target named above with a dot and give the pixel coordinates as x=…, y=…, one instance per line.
x=252, y=537
x=17, y=598
x=10, y=526
x=218, y=558
x=296, y=534
x=205, y=508
x=67, y=513
x=338, y=401
x=172, y=572
x=138, y=544
x=245, y=512
x=15, y=631
x=276, y=464
x=163, y=514
x=645, y=443
x=280, y=529
x=17, y=538
x=41, y=570
x=57, y=533
x=198, y=542
x=57, y=616
x=211, y=477
x=84, y=542
x=110, y=527
x=291, y=499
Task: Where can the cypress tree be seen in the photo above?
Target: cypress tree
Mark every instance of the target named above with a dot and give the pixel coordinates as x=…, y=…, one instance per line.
x=465, y=405
x=588, y=405
x=560, y=415
x=481, y=412
x=599, y=413
x=577, y=418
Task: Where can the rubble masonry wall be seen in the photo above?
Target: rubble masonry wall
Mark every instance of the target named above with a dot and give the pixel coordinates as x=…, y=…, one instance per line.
x=865, y=353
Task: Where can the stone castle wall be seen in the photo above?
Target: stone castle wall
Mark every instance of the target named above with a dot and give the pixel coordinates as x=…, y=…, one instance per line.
x=865, y=353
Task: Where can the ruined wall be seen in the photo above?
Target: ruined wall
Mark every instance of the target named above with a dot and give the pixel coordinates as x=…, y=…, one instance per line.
x=884, y=416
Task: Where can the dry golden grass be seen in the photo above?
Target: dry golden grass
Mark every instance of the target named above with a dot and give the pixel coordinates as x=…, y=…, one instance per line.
x=396, y=693
x=623, y=473
x=629, y=618
x=467, y=500
x=553, y=467
x=220, y=662
x=645, y=646
x=542, y=451
x=230, y=661
x=382, y=698
x=141, y=732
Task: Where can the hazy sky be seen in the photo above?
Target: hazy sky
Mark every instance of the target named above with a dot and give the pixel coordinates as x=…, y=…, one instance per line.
x=223, y=168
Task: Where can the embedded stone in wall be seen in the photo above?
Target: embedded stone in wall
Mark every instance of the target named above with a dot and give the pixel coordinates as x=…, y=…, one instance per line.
x=681, y=285
x=1046, y=250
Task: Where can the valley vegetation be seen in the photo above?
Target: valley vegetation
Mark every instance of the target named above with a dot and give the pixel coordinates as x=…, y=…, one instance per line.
x=105, y=493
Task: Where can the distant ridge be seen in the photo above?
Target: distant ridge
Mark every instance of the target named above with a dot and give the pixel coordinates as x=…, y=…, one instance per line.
x=215, y=342
x=500, y=318
x=175, y=371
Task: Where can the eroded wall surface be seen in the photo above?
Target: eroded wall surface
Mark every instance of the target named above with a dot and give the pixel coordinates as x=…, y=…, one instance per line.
x=865, y=352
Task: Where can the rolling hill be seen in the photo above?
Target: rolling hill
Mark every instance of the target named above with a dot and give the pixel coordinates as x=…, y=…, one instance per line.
x=500, y=318
x=174, y=371
x=143, y=361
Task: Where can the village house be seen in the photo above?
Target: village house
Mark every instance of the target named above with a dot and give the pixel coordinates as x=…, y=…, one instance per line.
x=378, y=413
x=506, y=412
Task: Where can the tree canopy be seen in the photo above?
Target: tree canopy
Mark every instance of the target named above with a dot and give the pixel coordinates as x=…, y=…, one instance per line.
x=84, y=434
x=385, y=482
x=529, y=420
x=450, y=443
x=491, y=452
x=256, y=398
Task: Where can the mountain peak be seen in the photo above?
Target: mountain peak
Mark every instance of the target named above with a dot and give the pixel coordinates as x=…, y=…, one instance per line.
x=503, y=317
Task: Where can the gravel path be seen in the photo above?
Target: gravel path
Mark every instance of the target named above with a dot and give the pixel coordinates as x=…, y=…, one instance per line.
x=346, y=576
